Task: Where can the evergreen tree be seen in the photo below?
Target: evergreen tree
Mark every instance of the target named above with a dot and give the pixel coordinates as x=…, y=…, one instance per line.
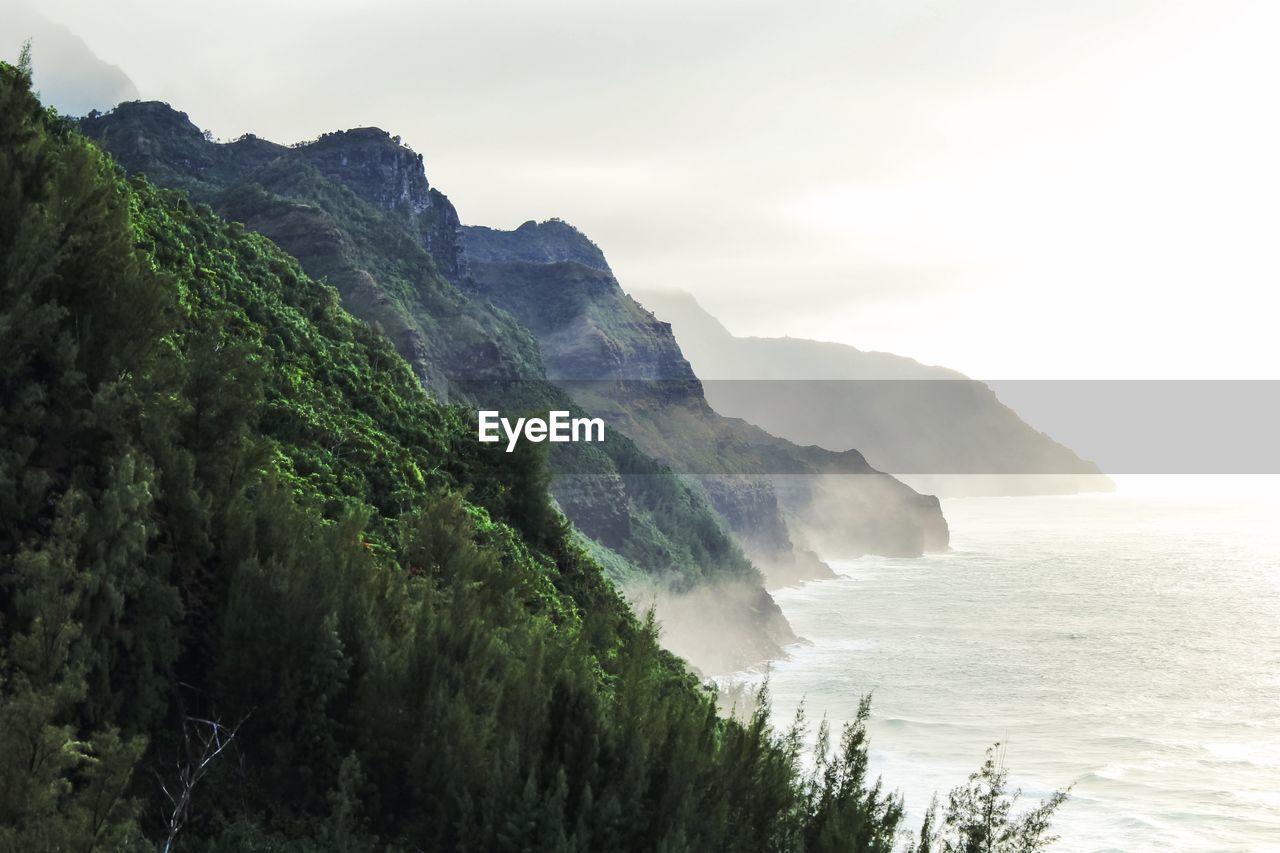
x=979, y=816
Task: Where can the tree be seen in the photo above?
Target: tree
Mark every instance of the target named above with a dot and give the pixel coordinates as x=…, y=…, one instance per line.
x=58, y=789
x=24, y=60
x=979, y=819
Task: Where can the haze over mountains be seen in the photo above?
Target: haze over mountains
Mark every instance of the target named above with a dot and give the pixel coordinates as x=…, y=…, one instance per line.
x=615, y=358
x=533, y=318
x=933, y=428
x=335, y=202
x=243, y=508
x=517, y=321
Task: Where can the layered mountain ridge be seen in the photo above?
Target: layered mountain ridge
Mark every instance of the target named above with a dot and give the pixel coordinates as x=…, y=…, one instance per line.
x=932, y=427
x=515, y=320
x=616, y=358
x=536, y=242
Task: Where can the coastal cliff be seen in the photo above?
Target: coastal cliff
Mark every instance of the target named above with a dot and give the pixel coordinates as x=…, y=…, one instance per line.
x=356, y=209
x=618, y=360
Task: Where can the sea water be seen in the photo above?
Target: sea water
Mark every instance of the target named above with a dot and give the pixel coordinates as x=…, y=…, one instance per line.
x=1125, y=644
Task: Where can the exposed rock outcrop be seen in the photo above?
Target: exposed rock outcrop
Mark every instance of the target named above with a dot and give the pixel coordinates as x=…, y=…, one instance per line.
x=533, y=242
x=379, y=169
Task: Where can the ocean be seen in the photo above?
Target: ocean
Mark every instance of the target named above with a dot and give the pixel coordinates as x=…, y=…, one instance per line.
x=1125, y=644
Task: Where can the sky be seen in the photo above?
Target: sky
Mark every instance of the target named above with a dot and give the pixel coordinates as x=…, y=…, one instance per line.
x=1017, y=190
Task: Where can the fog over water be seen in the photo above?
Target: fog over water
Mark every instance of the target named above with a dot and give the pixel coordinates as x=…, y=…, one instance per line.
x=1126, y=643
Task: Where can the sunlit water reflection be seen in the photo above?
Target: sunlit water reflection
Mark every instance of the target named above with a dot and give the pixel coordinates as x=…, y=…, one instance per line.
x=1126, y=643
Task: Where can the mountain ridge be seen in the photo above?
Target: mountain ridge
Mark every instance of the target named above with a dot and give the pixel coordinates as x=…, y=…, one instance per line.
x=381, y=169
x=368, y=236
x=70, y=76
x=616, y=358
x=929, y=425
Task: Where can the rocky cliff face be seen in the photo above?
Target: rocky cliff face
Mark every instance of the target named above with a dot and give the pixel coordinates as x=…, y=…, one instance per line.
x=154, y=139
x=356, y=209
x=373, y=164
x=587, y=328
x=621, y=362
x=376, y=167
x=550, y=242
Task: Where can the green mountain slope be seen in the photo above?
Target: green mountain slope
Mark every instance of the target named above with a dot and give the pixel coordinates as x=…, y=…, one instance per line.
x=376, y=255
x=260, y=592
x=356, y=210
x=334, y=202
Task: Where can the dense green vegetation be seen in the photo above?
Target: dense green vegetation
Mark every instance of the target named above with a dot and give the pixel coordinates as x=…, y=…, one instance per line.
x=247, y=564
x=338, y=204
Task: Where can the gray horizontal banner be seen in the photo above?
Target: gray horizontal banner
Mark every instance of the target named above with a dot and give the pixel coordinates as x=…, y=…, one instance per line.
x=1061, y=428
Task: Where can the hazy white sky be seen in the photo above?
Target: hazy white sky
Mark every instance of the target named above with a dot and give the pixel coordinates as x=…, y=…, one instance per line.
x=1015, y=189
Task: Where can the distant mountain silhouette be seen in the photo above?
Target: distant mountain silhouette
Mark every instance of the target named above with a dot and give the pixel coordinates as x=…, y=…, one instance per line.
x=68, y=75
x=933, y=428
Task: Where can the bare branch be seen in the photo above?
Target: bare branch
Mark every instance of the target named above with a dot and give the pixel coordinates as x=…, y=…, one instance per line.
x=202, y=742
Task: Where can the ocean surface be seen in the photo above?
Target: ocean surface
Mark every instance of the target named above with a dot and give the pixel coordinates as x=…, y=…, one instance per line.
x=1126, y=644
